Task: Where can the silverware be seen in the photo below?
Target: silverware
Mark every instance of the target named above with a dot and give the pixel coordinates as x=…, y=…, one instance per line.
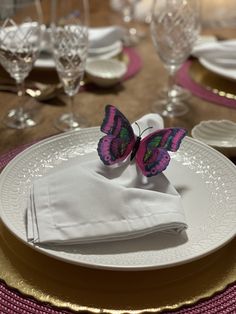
x=36, y=90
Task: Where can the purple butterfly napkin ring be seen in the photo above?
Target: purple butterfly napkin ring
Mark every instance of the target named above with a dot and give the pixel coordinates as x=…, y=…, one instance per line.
x=150, y=153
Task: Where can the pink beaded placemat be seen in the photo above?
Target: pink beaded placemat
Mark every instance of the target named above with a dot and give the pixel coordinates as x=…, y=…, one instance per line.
x=13, y=301
x=185, y=80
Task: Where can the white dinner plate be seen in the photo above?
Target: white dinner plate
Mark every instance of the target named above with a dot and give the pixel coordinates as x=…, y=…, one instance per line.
x=205, y=179
x=226, y=72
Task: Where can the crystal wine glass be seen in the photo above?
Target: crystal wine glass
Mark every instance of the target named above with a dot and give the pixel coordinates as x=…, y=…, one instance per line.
x=69, y=38
x=175, y=27
x=20, y=36
x=132, y=35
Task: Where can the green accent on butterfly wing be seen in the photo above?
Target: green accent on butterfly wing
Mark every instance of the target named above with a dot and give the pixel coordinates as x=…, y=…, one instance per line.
x=168, y=142
x=155, y=142
x=124, y=135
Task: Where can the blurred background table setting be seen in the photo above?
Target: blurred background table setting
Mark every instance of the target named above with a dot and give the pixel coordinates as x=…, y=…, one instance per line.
x=162, y=64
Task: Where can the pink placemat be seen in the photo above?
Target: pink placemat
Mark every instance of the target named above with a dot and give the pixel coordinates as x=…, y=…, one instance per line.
x=12, y=301
x=135, y=63
x=184, y=79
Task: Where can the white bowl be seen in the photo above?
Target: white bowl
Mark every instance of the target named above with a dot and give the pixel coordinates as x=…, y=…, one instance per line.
x=220, y=134
x=105, y=73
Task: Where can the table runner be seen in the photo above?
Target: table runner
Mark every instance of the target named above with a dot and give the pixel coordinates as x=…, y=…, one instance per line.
x=12, y=301
x=184, y=79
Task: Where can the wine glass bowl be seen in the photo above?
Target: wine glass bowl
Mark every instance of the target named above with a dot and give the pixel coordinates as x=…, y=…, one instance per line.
x=20, y=36
x=69, y=38
x=175, y=27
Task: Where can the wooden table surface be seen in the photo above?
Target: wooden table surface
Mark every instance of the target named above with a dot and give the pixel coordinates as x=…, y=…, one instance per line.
x=134, y=97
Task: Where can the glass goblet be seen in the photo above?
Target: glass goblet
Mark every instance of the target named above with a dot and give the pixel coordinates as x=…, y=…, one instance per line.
x=132, y=36
x=175, y=27
x=20, y=37
x=69, y=38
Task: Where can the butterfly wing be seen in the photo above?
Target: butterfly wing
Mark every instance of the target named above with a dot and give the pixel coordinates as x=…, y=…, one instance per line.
x=120, y=139
x=152, y=156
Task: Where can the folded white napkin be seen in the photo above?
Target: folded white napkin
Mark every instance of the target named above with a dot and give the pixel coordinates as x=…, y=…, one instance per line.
x=104, y=36
x=221, y=53
x=104, y=43
x=99, y=37
x=85, y=201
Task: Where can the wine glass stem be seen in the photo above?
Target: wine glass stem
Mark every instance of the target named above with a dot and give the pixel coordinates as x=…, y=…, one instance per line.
x=20, y=88
x=71, y=107
x=20, y=85
x=128, y=14
x=171, y=83
x=171, y=86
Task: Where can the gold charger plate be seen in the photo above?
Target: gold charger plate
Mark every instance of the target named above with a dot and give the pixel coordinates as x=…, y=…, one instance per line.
x=78, y=288
x=217, y=84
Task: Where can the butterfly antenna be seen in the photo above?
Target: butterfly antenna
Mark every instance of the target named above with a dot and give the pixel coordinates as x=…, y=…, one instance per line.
x=138, y=128
x=150, y=127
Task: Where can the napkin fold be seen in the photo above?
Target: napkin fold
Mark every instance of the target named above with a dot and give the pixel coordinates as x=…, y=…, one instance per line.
x=85, y=201
x=105, y=36
x=104, y=43
x=99, y=37
x=220, y=53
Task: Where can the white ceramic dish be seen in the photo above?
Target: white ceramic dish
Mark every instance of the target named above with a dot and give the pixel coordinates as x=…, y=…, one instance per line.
x=105, y=73
x=220, y=134
x=205, y=179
